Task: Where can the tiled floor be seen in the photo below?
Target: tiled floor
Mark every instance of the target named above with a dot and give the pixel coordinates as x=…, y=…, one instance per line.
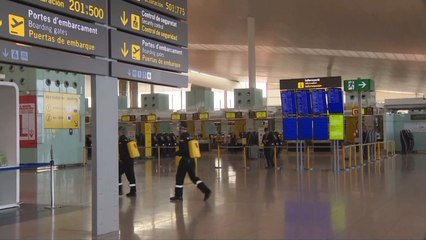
x=386, y=200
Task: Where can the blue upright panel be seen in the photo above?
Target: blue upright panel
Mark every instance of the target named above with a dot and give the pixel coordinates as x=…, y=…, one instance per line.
x=335, y=100
x=321, y=128
x=305, y=128
x=288, y=102
x=290, y=128
x=319, y=103
x=304, y=102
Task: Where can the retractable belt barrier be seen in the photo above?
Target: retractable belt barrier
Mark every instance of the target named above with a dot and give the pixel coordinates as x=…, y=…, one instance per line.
x=35, y=166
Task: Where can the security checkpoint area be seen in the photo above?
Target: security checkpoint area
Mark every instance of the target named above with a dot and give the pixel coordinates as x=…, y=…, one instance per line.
x=176, y=119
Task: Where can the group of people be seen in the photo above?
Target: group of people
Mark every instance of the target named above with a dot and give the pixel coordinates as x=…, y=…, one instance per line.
x=186, y=165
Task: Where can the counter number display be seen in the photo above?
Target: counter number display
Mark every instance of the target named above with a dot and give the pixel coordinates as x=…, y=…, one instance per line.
x=92, y=10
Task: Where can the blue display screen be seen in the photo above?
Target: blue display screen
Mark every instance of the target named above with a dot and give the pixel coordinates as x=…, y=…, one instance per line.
x=335, y=100
x=290, y=128
x=321, y=128
x=319, y=103
x=304, y=102
x=305, y=128
x=288, y=102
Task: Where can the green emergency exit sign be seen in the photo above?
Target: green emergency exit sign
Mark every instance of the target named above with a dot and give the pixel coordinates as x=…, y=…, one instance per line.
x=362, y=85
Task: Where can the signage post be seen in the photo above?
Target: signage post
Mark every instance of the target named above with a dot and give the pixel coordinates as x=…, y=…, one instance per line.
x=359, y=85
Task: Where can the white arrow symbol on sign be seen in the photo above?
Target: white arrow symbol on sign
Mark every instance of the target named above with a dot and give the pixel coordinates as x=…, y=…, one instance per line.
x=362, y=84
x=5, y=53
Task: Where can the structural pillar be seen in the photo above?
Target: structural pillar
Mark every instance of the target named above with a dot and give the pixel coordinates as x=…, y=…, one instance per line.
x=252, y=52
x=152, y=89
x=105, y=154
x=122, y=88
x=133, y=94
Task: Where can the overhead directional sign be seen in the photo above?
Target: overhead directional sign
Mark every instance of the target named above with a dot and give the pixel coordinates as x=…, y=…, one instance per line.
x=148, y=23
x=175, y=8
x=50, y=59
x=143, y=51
x=363, y=85
x=310, y=83
x=30, y=25
x=148, y=75
x=93, y=10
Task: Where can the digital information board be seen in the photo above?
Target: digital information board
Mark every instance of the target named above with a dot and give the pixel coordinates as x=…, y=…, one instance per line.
x=92, y=10
x=319, y=102
x=337, y=128
x=290, y=128
x=310, y=83
x=139, y=50
x=303, y=102
x=148, y=23
x=175, y=8
x=335, y=100
x=305, y=128
x=288, y=102
x=31, y=25
x=321, y=125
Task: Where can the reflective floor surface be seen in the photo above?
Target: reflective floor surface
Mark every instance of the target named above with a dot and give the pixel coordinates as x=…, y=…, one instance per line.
x=385, y=200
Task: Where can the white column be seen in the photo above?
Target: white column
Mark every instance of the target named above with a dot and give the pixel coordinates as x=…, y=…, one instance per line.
x=105, y=154
x=252, y=52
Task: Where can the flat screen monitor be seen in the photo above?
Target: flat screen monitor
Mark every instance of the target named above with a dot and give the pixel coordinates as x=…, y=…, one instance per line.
x=319, y=102
x=321, y=128
x=304, y=102
x=288, y=102
x=335, y=100
x=305, y=128
x=290, y=128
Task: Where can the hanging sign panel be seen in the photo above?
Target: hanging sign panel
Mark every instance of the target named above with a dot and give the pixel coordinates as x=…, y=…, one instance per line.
x=310, y=83
x=175, y=8
x=31, y=25
x=92, y=10
x=51, y=59
x=141, y=21
x=148, y=75
x=138, y=50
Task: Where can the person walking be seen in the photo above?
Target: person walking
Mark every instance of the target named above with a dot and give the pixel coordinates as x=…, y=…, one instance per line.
x=268, y=141
x=125, y=165
x=187, y=165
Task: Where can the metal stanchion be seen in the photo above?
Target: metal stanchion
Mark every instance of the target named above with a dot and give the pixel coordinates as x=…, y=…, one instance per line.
x=275, y=156
x=338, y=156
x=218, y=165
x=158, y=156
x=52, y=182
x=355, y=156
x=343, y=157
x=369, y=153
x=350, y=156
x=309, y=157
x=245, y=156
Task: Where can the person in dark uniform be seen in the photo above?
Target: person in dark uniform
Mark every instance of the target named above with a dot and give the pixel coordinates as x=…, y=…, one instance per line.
x=187, y=165
x=125, y=165
x=268, y=141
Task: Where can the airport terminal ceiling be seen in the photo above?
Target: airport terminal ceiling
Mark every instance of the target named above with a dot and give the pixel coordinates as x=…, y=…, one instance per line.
x=381, y=39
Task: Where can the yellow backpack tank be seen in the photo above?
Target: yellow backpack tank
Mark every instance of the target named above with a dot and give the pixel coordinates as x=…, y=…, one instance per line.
x=132, y=146
x=194, y=149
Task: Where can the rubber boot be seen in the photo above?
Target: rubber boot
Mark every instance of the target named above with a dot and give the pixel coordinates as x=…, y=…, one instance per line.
x=132, y=192
x=204, y=189
x=178, y=194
